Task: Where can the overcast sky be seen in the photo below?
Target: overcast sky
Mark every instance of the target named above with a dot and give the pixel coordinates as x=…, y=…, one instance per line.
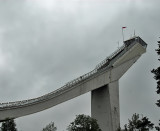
x=46, y=43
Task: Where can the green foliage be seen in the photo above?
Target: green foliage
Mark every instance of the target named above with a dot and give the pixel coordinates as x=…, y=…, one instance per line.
x=50, y=127
x=158, y=127
x=137, y=124
x=8, y=125
x=156, y=73
x=84, y=123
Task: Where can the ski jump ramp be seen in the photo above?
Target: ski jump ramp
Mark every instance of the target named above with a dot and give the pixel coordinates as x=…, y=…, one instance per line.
x=103, y=82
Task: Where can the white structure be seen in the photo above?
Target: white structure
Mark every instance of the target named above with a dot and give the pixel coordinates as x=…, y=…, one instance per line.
x=102, y=82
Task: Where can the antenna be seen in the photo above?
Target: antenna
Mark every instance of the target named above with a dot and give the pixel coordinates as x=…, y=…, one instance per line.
x=118, y=44
x=134, y=33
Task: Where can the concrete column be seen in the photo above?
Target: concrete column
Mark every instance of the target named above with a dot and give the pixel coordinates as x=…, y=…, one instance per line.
x=105, y=106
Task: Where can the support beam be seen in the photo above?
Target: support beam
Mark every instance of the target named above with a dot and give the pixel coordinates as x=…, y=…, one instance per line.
x=105, y=106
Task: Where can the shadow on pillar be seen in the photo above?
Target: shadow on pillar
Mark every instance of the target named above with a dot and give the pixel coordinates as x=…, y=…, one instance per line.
x=105, y=106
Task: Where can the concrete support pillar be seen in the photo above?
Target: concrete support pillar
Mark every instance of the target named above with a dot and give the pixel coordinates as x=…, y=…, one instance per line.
x=105, y=106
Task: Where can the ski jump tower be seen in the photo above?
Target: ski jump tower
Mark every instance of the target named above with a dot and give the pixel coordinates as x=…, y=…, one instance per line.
x=103, y=82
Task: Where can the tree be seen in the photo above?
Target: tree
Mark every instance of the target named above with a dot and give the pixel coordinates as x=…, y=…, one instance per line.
x=50, y=127
x=137, y=124
x=8, y=125
x=158, y=127
x=156, y=73
x=84, y=123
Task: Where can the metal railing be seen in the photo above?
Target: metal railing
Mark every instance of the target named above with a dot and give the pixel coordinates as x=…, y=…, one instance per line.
x=114, y=56
x=110, y=57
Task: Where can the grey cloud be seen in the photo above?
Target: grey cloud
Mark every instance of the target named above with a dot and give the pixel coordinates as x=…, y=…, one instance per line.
x=46, y=49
